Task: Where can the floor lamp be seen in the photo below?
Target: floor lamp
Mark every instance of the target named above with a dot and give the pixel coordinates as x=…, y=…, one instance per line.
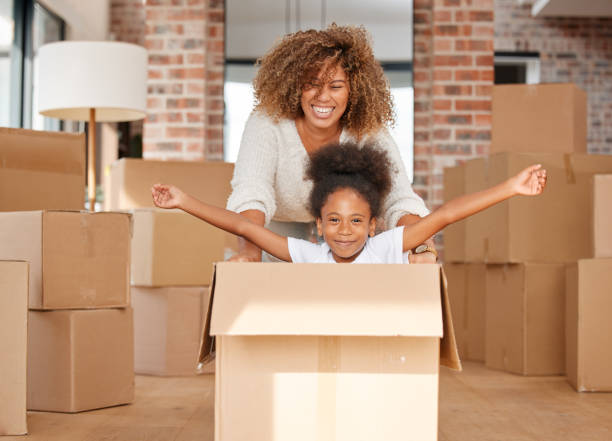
x=93, y=81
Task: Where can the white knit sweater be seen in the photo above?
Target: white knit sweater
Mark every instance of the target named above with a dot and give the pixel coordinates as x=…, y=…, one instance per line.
x=269, y=174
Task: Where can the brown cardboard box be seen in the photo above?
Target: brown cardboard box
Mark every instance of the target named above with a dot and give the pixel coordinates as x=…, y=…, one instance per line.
x=77, y=259
x=525, y=326
x=602, y=216
x=588, y=328
x=131, y=181
x=315, y=351
x=467, y=295
x=41, y=170
x=465, y=178
x=13, y=346
x=80, y=359
x=555, y=226
x=173, y=248
x=539, y=118
x=167, y=329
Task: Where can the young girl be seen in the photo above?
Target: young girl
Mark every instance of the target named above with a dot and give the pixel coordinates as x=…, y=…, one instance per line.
x=349, y=184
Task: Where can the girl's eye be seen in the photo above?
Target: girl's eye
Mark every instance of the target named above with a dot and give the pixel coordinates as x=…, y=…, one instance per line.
x=334, y=220
x=356, y=221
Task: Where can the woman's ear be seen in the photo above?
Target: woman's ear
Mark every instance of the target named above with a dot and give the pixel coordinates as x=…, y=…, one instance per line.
x=372, y=228
x=319, y=226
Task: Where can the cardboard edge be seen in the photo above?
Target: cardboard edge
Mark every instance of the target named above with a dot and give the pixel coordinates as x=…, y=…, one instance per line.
x=207, y=341
x=449, y=354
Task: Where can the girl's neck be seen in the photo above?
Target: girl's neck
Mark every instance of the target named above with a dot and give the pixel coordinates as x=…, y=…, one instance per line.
x=313, y=138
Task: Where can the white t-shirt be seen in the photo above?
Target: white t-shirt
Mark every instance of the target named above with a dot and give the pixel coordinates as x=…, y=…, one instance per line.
x=385, y=247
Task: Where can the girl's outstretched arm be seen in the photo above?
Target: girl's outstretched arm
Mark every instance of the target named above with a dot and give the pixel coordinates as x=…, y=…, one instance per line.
x=529, y=182
x=169, y=196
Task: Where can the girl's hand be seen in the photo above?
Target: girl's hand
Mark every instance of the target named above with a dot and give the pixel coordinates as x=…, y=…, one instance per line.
x=529, y=182
x=167, y=196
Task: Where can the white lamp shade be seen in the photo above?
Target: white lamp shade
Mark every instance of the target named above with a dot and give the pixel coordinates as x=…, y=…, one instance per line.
x=75, y=76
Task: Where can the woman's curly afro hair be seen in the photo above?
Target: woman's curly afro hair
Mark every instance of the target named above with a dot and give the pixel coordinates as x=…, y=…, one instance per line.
x=299, y=57
x=367, y=170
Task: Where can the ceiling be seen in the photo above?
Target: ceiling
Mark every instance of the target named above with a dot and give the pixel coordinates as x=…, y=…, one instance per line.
x=572, y=8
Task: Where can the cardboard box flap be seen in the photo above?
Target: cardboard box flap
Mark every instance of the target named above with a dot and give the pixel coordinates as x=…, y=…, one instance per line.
x=333, y=300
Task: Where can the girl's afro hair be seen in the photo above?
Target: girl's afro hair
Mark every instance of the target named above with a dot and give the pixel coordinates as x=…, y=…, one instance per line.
x=366, y=170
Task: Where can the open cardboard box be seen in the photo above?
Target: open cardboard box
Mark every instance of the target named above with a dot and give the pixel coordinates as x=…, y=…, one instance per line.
x=317, y=351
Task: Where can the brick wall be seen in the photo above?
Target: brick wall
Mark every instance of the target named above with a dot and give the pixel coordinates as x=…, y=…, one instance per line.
x=577, y=50
x=185, y=40
x=453, y=78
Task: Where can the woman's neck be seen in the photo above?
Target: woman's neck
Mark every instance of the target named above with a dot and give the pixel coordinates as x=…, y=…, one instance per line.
x=313, y=138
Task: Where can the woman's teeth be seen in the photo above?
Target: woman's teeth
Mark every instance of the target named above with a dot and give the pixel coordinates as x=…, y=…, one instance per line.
x=322, y=109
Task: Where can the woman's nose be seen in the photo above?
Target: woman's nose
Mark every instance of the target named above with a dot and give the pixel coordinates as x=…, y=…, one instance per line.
x=323, y=93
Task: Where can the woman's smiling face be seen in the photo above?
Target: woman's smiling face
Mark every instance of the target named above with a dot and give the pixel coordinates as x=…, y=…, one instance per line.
x=325, y=98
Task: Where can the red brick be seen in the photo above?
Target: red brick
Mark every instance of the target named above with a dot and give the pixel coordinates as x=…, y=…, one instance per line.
x=439, y=104
x=484, y=90
x=443, y=16
x=443, y=45
x=467, y=75
x=452, y=119
x=479, y=135
x=443, y=74
x=484, y=60
x=183, y=103
x=452, y=89
x=156, y=59
x=184, y=132
x=473, y=104
x=482, y=120
x=453, y=60
x=481, y=16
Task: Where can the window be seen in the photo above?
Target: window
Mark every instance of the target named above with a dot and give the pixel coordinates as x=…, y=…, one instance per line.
x=517, y=67
x=25, y=25
x=252, y=27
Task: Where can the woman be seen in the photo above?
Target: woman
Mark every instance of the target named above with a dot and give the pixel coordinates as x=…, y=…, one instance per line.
x=312, y=89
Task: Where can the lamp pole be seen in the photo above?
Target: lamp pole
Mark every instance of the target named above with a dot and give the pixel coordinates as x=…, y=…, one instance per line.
x=91, y=159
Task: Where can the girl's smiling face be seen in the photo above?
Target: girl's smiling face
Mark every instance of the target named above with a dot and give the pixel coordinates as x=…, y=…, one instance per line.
x=325, y=98
x=345, y=224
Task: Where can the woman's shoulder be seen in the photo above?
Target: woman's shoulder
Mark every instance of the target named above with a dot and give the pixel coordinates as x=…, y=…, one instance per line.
x=261, y=118
x=380, y=137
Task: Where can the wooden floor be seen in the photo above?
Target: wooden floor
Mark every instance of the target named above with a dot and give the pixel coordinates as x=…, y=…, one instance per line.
x=476, y=404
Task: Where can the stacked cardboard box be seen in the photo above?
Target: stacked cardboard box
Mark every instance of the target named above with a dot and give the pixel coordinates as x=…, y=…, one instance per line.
x=13, y=346
x=172, y=259
x=588, y=301
x=77, y=264
x=80, y=342
x=524, y=243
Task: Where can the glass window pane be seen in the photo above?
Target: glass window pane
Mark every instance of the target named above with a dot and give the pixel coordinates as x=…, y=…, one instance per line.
x=7, y=31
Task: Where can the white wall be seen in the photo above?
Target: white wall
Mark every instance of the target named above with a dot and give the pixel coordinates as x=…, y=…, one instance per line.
x=256, y=24
x=85, y=19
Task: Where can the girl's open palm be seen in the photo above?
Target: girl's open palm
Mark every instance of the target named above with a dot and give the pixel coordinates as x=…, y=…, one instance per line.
x=531, y=181
x=166, y=196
